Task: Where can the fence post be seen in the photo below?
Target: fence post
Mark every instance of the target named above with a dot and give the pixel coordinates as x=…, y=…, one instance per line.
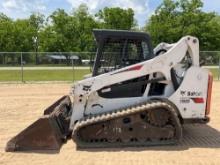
x=22, y=69
x=73, y=70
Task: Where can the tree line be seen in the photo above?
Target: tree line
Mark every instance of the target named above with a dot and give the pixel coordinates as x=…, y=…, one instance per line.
x=72, y=32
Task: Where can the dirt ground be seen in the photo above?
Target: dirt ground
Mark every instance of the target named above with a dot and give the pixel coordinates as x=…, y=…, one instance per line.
x=22, y=104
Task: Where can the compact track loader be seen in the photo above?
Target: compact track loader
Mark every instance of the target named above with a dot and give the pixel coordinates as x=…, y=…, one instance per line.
x=135, y=96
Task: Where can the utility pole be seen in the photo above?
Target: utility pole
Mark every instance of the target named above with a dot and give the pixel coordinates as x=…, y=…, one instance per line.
x=35, y=39
x=73, y=69
x=22, y=69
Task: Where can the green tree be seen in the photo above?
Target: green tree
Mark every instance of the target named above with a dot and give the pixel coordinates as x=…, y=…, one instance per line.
x=6, y=29
x=6, y=38
x=85, y=23
x=116, y=18
x=17, y=36
x=36, y=22
x=174, y=19
x=69, y=32
x=55, y=35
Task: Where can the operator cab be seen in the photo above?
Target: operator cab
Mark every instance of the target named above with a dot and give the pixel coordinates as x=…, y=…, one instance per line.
x=118, y=49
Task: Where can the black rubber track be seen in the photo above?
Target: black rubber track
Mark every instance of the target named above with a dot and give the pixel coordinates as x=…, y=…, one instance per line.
x=147, y=106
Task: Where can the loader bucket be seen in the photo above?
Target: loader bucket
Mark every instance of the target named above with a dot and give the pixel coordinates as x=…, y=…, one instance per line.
x=48, y=132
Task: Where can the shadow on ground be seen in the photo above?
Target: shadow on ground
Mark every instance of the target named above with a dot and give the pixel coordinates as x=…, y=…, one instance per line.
x=194, y=136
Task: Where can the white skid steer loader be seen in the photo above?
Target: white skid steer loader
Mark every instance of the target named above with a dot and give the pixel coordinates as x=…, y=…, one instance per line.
x=136, y=96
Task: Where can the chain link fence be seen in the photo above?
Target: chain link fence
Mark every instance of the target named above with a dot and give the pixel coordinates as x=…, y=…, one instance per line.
x=211, y=61
x=45, y=66
x=67, y=66
x=13, y=59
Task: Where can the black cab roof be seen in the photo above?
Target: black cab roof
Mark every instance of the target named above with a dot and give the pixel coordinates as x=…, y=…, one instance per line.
x=101, y=34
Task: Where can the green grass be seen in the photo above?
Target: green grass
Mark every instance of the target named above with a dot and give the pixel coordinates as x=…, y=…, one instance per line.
x=43, y=75
x=53, y=75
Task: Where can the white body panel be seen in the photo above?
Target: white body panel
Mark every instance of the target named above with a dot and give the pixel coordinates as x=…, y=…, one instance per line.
x=87, y=101
x=194, y=85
